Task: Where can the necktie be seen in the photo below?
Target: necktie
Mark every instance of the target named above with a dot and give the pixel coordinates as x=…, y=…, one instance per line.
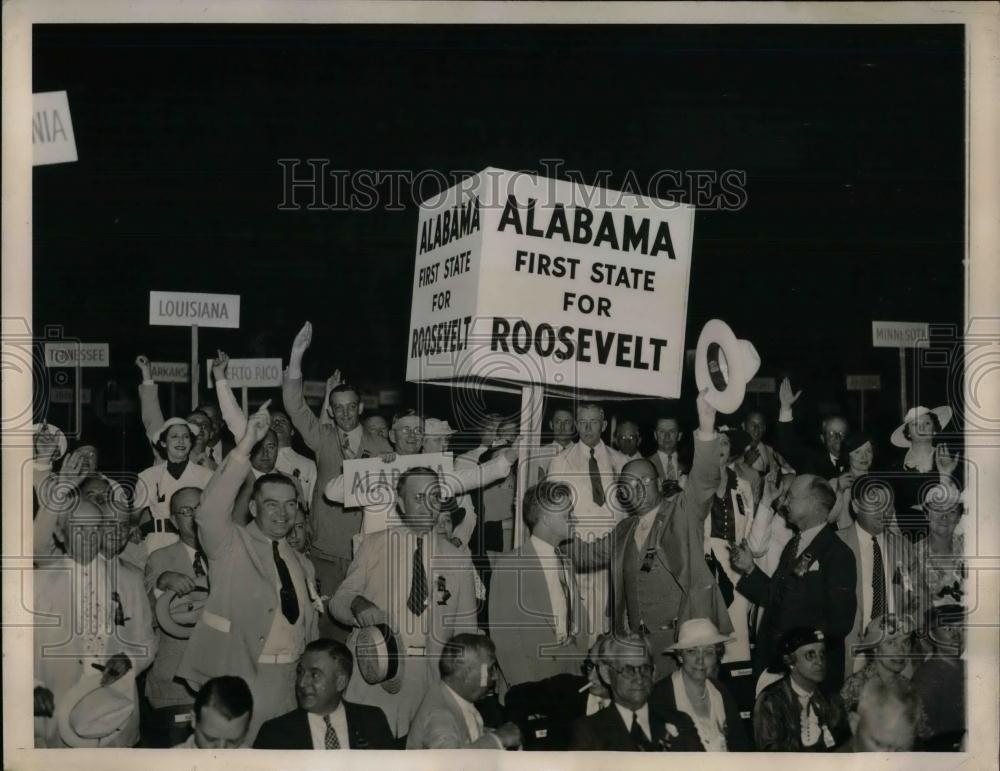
x=289, y=600
x=418, y=585
x=596, y=486
x=330, y=740
x=345, y=443
x=200, y=564
x=781, y=572
x=671, y=471
x=878, y=581
x=638, y=735
x=565, y=576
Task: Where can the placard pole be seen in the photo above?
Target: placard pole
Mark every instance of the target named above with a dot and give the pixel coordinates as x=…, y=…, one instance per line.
x=531, y=429
x=246, y=403
x=194, y=366
x=902, y=383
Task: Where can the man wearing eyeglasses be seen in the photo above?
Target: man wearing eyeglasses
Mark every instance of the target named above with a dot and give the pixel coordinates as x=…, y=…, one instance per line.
x=181, y=568
x=631, y=723
x=627, y=440
x=824, y=461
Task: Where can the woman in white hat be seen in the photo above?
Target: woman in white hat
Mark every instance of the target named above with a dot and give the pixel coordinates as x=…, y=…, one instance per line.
x=156, y=485
x=693, y=689
x=926, y=460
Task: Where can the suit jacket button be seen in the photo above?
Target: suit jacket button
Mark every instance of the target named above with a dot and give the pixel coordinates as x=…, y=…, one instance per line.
x=261, y=639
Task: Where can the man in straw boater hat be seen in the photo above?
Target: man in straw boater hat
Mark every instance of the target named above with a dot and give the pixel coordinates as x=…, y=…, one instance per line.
x=408, y=590
x=259, y=616
x=85, y=664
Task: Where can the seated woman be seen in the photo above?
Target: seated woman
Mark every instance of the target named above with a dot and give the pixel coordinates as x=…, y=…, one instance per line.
x=694, y=689
x=943, y=508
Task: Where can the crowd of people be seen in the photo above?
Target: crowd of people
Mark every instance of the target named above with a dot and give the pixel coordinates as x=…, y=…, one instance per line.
x=724, y=591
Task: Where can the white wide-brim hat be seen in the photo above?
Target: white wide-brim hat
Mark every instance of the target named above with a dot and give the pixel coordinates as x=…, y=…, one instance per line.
x=380, y=656
x=155, y=436
x=177, y=616
x=943, y=415
x=60, y=436
x=724, y=365
x=697, y=632
x=91, y=715
x=436, y=427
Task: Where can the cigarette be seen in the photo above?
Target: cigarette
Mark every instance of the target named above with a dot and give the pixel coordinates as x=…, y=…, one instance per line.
x=586, y=687
x=98, y=667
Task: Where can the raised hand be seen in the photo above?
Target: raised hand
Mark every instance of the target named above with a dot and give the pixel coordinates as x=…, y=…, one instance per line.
x=785, y=395
x=333, y=381
x=220, y=367
x=142, y=363
x=946, y=463
x=741, y=558
x=302, y=341
x=257, y=427
x=46, y=445
x=73, y=472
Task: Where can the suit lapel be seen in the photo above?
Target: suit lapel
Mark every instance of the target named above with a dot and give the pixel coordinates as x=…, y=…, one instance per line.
x=537, y=586
x=300, y=728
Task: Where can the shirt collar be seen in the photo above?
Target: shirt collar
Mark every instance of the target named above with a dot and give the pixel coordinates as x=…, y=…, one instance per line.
x=864, y=536
x=798, y=689
x=806, y=537
x=626, y=713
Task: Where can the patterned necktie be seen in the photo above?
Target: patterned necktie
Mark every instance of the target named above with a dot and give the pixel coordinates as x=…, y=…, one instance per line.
x=596, y=486
x=345, y=444
x=289, y=600
x=418, y=586
x=638, y=735
x=200, y=565
x=330, y=740
x=878, y=581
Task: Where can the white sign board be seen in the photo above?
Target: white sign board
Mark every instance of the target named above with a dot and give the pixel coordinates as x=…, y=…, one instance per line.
x=899, y=334
x=372, y=482
x=530, y=280
x=65, y=396
x=77, y=354
x=52, y=139
x=170, y=371
x=250, y=373
x=761, y=385
x=186, y=309
x=864, y=383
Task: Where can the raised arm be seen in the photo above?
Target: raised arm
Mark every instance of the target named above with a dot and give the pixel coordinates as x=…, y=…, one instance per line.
x=54, y=495
x=149, y=398
x=232, y=413
x=787, y=439
x=302, y=417
x=705, y=475
x=465, y=478
x=214, y=516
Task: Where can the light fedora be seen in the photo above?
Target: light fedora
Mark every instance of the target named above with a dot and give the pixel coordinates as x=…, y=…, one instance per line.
x=37, y=428
x=724, y=365
x=379, y=654
x=943, y=414
x=92, y=715
x=697, y=632
x=177, y=616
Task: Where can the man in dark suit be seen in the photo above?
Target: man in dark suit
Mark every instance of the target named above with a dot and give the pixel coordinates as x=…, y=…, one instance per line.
x=631, y=723
x=324, y=720
x=824, y=461
x=545, y=710
x=814, y=583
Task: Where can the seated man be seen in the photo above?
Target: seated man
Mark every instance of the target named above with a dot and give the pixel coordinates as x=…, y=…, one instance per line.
x=886, y=720
x=324, y=720
x=222, y=712
x=546, y=709
x=793, y=714
x=447, y=718
x=631, y=723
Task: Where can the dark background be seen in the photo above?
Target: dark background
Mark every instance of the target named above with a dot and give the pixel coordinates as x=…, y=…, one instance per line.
x=852, y=140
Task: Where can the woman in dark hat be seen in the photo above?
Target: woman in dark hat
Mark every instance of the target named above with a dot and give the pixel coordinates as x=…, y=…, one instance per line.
x=857, y=453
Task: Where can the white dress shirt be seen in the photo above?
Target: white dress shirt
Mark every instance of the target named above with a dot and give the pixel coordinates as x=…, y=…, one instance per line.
x=596, y=704
x=866, y=568
x=550, y=569
x=338, y=721
x=642, y=714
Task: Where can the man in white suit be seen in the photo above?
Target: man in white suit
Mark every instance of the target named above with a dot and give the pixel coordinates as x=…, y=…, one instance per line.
x=259, y=616
x=591, y=469
x=416, y=581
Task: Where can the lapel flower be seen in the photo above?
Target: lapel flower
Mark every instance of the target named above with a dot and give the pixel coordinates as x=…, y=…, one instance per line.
x=672, y=731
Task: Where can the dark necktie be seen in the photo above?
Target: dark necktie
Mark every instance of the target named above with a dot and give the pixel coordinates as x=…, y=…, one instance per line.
x=638, y=735
x=565, y=576
x=289, y=600
x=418, y=586
x=200, y=565
x=781, y=572
x=878, y=581
x=330, y=740
x=596, y=486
